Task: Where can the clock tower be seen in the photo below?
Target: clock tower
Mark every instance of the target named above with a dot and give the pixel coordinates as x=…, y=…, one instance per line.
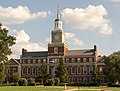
x=57, y=46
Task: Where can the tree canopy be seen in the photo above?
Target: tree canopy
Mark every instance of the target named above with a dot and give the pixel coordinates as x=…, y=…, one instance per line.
x=112, y=68
x=96, y=74
x=6, y=41
x=42, y=73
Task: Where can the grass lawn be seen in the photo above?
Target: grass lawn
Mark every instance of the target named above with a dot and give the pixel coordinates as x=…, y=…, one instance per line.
x=87, y=88
x=31, y=88
x=55, y=88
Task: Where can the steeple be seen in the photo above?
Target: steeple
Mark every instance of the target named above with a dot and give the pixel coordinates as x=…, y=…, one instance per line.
x=58, y=13
x=58, y=22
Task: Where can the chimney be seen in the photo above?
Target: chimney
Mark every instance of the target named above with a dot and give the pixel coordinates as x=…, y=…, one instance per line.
x=23, y=51
x=95, y=47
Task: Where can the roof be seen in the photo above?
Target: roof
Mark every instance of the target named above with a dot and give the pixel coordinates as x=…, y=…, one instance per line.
x=14, y=61
x=35, y=54
x=86, y=52
x=101, y=59
x=18, y=60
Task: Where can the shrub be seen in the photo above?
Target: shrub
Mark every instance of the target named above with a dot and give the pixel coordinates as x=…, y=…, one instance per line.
x=31, y=82
x=22, y=82
x=57, y=81
x=48, y=82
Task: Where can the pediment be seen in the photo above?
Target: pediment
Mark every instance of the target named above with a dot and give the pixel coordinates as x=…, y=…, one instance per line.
x=13, y=62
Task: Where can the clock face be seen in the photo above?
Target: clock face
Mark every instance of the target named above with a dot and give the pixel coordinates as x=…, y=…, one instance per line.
x=56, y=37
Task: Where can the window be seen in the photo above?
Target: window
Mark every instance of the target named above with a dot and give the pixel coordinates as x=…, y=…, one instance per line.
x=67, y=60
x=29, y=61
x=73, y=60
x=73, y=79
x=79, y=70
x=28, y=70
x=90, y=59
x=53, y=60
x=78, y=60
x=90, y=70
x=68, y=69
x=73, y=70
x=90, y=79
x=44, y=60
x=79, y=79
x=23, y=71
x=34, y=61
x=84, y=59
x=85, y=79
x=34, y=71
x=101, y=70
x=24, y=61
x=55, y=49
x=8, y=71
x=84, y=70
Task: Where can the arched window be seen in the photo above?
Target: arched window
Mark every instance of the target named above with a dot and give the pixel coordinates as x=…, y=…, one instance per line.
x=23, y=71
x=29, y=70
x=84, y=70
x=79, y=70
x=90, y=70
x=73, y=70
x=68, y=70
x=34, y=71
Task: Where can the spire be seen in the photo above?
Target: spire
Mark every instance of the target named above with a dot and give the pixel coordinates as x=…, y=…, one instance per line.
x=58, y=22
x=58, y=12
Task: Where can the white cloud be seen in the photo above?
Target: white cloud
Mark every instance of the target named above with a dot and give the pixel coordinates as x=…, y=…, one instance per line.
x=115, y=1
x=88, y=18
x=71, y=39
x=19, y=14
x=23, y=41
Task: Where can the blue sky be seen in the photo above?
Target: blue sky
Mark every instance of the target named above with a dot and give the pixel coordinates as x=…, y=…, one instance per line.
x=85, y=22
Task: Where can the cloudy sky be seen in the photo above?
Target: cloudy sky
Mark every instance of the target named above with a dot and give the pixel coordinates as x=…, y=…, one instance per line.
x=85, y=22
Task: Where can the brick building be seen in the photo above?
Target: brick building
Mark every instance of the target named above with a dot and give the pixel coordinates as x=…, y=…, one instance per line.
x=79, y=63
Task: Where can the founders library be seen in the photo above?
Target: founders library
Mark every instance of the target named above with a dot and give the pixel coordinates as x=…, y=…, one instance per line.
x=80, y=63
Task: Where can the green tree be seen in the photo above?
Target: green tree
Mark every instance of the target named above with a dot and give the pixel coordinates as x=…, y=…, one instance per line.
x=6, y=41
x=15, y=77
x=2, y=73
x=42, y=73
x=61, y=72
x=96, y=75
x=112, y=68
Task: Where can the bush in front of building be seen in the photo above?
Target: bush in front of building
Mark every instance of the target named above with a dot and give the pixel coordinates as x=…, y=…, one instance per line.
x=57, y=81
x=110, y=84
x=52, y=82
x=48, y=82
x=23, y=82
x=31, y=82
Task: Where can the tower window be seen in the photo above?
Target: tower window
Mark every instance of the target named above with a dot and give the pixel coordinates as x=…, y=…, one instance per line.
x=56, y=50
